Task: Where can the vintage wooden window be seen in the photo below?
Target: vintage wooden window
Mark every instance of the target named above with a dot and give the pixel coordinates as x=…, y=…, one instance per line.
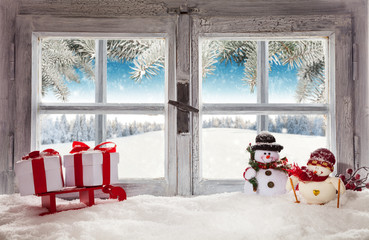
x=186, y=169
x=241, y=54
x=113, y=96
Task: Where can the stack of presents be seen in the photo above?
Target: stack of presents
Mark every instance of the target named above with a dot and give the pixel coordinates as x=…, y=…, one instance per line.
x=40, y=172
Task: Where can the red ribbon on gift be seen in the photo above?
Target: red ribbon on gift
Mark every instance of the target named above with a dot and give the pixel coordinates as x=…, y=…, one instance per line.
x=79, y=148
x=38, y=168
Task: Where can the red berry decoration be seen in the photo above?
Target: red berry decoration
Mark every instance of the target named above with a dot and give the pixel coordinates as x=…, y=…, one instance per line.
x=355, y=181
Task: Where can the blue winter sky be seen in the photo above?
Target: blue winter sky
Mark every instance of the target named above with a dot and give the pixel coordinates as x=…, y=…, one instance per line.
x=120, y=87
x=225, y=85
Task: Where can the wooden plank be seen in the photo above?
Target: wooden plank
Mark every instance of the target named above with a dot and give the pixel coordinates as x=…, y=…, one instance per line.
x=183, y=71
x=262, y=82
x=108, y=108
x=361, y=111
x=100, y=88
x=171, y=111
x=7, y=98
x=117, y=8
x=100, y=8
x=272, y=24
x=183, y=96
x=23, y=87
x=272, y=108
x=344, y=99
x=195, y=89
x=128, y=26
x=184, y=164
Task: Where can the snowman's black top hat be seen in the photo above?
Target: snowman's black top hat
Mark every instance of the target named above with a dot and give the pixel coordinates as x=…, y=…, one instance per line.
x=266, y=141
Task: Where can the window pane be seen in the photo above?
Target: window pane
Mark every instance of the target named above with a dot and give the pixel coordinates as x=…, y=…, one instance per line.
x=135, y=71
x=297, y=71
x=299, y=135
x=224, y=141
x=228, y=71
x=59, y=131
x=67, y=67
x=140, y=143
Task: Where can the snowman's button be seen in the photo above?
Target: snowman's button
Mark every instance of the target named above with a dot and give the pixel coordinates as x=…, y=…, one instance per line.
x=270, y=184
x=268, y=172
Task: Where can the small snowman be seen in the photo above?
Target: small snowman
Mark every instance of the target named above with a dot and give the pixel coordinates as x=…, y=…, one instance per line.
x=267, y=174
x=315, y=184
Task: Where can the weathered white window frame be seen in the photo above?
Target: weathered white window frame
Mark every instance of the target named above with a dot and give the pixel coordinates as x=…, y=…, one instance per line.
x=338, y=31
x=31, y=29
x=178, y=179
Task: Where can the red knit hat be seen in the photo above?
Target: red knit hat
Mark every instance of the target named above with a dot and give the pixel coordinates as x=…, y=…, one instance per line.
x=322, y=157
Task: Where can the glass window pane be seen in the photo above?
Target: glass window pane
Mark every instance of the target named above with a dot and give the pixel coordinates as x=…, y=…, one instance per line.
x=297, y=71
x=299, y=135
x=228, y=71
x=140, y=143
x=224, y=139
x=67, y=67
x=135, y=71
x=58, y=131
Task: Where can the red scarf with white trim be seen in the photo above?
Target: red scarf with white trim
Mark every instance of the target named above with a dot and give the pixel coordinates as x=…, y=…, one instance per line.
x=305, y=175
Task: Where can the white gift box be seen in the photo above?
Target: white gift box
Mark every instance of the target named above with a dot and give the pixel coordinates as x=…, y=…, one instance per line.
x=92, y=168
x=24, y=174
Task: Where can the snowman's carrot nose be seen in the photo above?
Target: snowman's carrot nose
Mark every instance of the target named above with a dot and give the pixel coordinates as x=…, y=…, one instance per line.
x=267, y=157
x=315, y=172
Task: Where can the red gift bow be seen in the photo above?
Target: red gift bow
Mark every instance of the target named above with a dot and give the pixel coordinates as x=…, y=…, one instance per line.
x=79, y=147
x=38, y=168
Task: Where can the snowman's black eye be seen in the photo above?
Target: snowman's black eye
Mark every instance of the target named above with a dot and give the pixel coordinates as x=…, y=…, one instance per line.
x=268, y=153
x=265, y=153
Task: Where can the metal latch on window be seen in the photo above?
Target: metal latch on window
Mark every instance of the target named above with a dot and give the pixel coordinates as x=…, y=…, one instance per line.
x=183, y=107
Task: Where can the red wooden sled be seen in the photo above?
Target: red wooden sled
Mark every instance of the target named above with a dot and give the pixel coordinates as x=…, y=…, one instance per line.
x=86, y=196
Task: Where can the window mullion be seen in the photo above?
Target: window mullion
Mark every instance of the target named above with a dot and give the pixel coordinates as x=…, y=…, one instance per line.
x=100, y=87
x=262, y=82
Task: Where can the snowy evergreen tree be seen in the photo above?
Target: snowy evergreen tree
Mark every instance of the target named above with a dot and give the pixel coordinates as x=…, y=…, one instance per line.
x=84, y=128
x=119, y=130
x=271, y=125
x=91, y=129
x=76, y=129
x=57, y=131
x=303, y=125
x=126, y=131
x=318, y=127
x=64, y=129
x=47, y=130
x=109, y=130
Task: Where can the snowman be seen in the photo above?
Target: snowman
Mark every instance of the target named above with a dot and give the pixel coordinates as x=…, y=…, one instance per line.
x=267, y=174
x=315, y=184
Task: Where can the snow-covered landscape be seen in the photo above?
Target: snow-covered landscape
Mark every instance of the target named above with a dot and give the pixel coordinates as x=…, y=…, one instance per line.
x=221, y=216
x=224, y=154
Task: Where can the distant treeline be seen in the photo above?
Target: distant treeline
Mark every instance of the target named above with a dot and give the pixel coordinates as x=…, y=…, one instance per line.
x=293, y=124
x=62, y=130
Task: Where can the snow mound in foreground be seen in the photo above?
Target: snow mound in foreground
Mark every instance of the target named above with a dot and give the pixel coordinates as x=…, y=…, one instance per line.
x=221, y=216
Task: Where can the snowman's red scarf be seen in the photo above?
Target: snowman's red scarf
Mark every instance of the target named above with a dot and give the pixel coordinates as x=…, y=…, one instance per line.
x=305, y=175
x=281, y=165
